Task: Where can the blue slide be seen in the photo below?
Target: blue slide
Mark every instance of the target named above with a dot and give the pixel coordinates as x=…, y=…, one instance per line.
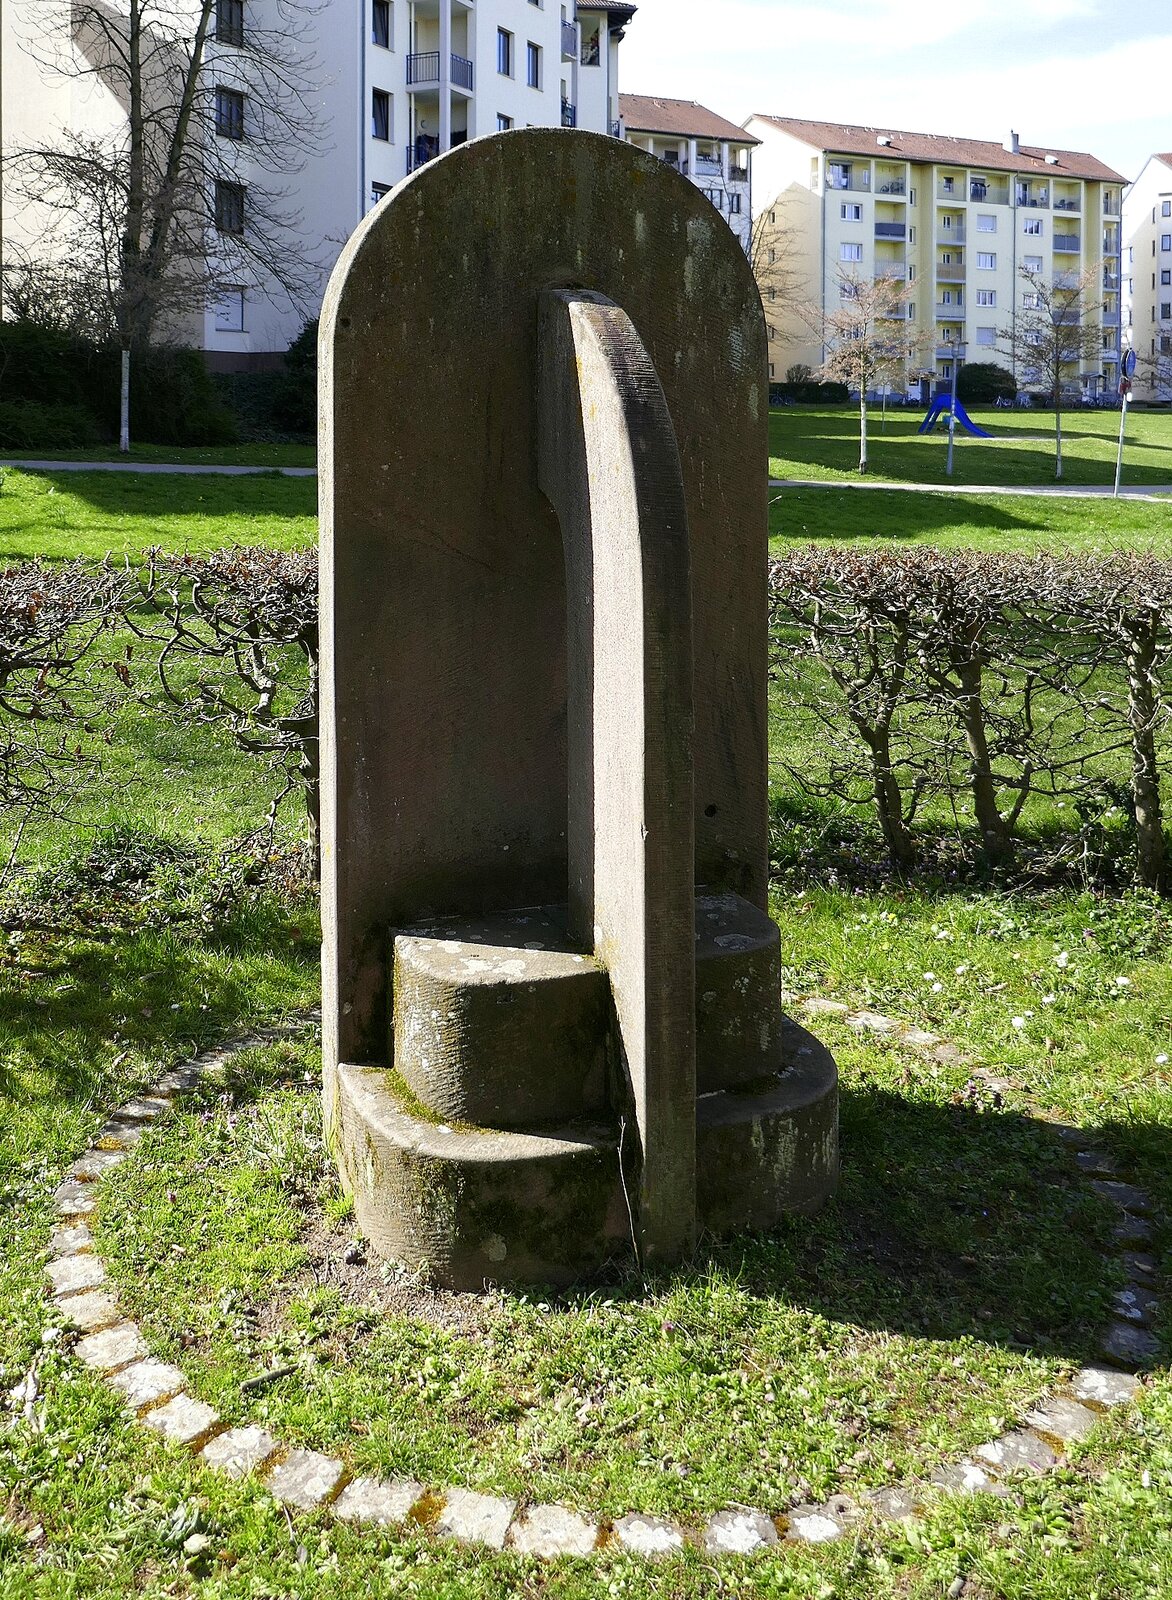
x=940, y=407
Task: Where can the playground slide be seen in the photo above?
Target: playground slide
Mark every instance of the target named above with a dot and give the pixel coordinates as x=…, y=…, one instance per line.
x=940, y=407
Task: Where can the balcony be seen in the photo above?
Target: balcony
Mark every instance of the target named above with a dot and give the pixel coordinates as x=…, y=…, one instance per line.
x=616, y=129
x=710, y=166
x=1111, y=281
x=950, y=274
x=1067, y=205
x=569, y=41
x=949, y=313
x=423, y=70
x=1067, y=244
x=854, y=182
x=424, y=149
x=1033, y=199
x=953, y=235
x=896, y=187
x=569, y=114
x=738, y=174
x=1066, y=280
x=1110, y=206
x=891, y=230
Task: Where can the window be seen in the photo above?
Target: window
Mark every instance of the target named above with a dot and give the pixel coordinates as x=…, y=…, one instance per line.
x=987, y=259
x=773, y=294
x=850, y=252
x=911, y=197
x=229, y=114
x=230, y=21
x=772, y=257
x=851, y=213
x=986, y=222
x=716, y=196
x=1033, y=225
x=949, y=185
x=986, y=336
x=590, y=54
x=946, y=297
x=911, y=234
x=229, y=207
x=840, y=175
x=230, y=311
x=1166, y=241
x=503, y=123
x=1165, y=209
x=1165, y=310
x=734, y=205
x=504, y=52
x=380, y=114
x=380, y=23
x=1031, y=301
x=772, y=331
x=986, y=297
x=1032, y=263
x=772, y=370
x=1165, y=275
x=377, y=190
x=533, y=65
x=911, y=311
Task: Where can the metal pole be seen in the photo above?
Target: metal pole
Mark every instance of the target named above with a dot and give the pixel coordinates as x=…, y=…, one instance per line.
x=952, y=408
x=1122, y=431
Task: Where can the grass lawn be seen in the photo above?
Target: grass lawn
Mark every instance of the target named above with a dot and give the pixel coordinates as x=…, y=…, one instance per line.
x=956, y=1273
x=808, y=442
x=219, y=455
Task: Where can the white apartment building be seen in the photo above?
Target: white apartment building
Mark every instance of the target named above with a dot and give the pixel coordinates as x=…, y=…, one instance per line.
x=715, y=154
x=1147, y=277
x=952, y=220
x=401, y=81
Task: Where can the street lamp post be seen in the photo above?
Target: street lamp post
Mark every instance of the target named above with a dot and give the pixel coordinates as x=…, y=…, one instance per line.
x=957, y=348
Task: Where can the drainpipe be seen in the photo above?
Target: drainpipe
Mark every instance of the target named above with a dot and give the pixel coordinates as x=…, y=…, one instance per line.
x=445, y=75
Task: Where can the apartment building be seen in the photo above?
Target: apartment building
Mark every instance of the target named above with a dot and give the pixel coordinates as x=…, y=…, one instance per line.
x=1147, y=277
x=400, y=81
x=715, y=154
x=954, y=221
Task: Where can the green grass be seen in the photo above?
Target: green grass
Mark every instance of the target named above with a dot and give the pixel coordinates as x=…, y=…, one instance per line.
x=808, y=442
x=59, y=515
x=220, y=455
x=982, y=522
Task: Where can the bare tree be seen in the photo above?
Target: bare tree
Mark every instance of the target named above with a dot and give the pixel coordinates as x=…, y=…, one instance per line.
x=867, y=338
x=189, y=197
x=1055, y=328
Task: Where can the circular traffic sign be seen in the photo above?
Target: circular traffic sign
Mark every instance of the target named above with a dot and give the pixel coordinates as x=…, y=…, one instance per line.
x=1129, y=364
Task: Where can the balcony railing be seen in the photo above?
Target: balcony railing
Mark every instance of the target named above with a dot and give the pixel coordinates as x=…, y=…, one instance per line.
x=858, y=182
x=1034, y=199
x=950, y=274
x=990, y=194
x=949, y=313
x=738, y=174
x=616, y=129
x=1110, y=206
x=947, y=236
x=1066, y=280
x=709, y=164
x=1111, y=281
x=1067, y=205
x=569, y=41
x=424, y=149
x=891, y=230
x=1067, y=243
x=894, y=186
x=569, y=114
x=423, y=67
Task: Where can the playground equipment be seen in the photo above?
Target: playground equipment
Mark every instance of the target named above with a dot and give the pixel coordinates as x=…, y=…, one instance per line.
x=941, y=406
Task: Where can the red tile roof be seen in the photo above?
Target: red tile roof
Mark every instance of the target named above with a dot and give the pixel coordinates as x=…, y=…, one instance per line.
x=645, y=113
x=851, y=140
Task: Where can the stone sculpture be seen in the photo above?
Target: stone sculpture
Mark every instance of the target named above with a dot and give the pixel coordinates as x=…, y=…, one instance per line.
x=551, y=991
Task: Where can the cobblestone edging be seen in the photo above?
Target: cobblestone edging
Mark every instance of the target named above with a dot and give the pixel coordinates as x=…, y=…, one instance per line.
x=156, y=1394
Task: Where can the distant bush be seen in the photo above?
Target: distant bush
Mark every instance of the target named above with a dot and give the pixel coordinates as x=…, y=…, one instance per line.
x=32, y=425
x=808, y=394
x=799, y=373
x=277, y=405
x=984, y=382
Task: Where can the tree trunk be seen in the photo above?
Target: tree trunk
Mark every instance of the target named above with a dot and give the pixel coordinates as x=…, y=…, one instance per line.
x=862, y=430
x=897, y=836
x=124, y=405
x=1057, y=439
x=996, y=840
x=1142, y=711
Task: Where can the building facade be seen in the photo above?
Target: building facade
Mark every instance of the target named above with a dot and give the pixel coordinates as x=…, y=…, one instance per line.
x=398, y=82
x=1147, y=277
x=953, y=221
x=715, y=154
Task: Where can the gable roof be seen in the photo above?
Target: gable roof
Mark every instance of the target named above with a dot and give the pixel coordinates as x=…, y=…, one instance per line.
x=850, y=139
x=645, y=113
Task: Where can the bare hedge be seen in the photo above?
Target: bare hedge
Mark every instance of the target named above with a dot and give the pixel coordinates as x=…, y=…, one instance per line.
x=984, y=680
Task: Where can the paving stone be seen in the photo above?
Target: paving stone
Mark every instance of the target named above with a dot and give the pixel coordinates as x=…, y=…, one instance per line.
x=1129, y=1346
x=817, y=1006
x=872, y=1022
x=1139, y=1264
x=89, y=1311
x=119, y=1135
x=475, y=1518
x=1062, y=1419
x=183, y=1420
x=1135, y=1302
x=94, y=1164
x=305, y=1479
x=70, y=1238
x=239, y=1451
x=145, y=1109
x=369, y=1500
x=74, y=1199
x=71, y=1274
x=739, y=1533
x=919, y=1038
x=813, y=1524
x=949, y=1055
x=553, y=1531
x=1125, y=1195
x=1132, y=1230
x=893, y=1505
x=648, y=1536
x=966, y=1477
x=1068, y=1134
x=112, y=1348
x=146, y=1381
x=1021, y=1450
x=1096, y=1162
x=178, y=1080
x=1103, y=1387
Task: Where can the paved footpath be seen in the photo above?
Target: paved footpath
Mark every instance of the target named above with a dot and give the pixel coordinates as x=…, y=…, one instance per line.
x=1089, y=491
x=188, y=469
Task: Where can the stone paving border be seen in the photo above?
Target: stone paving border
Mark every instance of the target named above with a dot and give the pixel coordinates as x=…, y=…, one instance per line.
x=303, y=1480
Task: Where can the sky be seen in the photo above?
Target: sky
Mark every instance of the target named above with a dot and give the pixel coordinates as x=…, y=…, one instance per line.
x=1092, y=75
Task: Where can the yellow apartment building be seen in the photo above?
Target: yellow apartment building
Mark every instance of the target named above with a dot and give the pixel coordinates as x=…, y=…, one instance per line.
x=954, y=221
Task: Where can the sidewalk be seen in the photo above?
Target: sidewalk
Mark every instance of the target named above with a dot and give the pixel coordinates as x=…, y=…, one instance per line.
x=1157, y=492
x=187, y=469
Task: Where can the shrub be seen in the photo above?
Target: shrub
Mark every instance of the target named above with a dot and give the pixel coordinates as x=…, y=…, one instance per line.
x=808, y=394
x=34, y=425
x=985, y=382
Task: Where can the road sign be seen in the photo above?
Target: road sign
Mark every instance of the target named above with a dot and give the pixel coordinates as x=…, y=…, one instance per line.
x=1129, y=364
